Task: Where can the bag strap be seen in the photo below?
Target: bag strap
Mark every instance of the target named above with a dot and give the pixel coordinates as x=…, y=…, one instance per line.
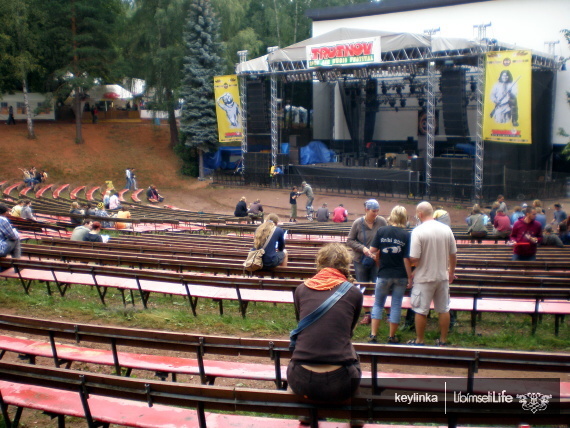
x=318, y=313
x=269, y=238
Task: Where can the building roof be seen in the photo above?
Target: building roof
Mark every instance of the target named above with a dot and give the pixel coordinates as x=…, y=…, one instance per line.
x=382, y=7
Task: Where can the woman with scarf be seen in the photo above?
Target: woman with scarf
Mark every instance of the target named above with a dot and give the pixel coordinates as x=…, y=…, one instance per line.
x=324, y=365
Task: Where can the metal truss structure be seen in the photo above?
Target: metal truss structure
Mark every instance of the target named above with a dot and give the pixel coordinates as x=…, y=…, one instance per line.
x=242, y=89
x=415, y=61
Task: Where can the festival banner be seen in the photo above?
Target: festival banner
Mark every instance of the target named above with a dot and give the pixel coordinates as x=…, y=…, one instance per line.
x=507, y=104
x=345, y=52
x=228, y=108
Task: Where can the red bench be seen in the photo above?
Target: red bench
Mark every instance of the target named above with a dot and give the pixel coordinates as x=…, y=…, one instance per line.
x=58, y=191
x=74, y=192
x=10, y=188
x=44, y=189
x=25, y=190
x=121, y=194
x=135, y=195
x=89, y=194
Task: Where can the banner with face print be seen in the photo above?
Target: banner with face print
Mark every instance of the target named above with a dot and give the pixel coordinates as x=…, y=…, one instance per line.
x=228, y=108
x=507, y=103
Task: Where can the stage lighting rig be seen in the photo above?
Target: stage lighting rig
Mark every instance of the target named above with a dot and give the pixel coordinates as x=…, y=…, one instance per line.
x=392, y=102
x=384, y=88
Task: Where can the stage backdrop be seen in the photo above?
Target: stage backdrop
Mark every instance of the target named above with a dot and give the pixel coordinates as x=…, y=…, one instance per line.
x=507, y=108
x=228, y=108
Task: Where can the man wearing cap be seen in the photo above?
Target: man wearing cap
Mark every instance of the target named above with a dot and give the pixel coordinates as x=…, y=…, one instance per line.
x=308, y=191
x=9, y=238
x=360, y=239
x=434, y=253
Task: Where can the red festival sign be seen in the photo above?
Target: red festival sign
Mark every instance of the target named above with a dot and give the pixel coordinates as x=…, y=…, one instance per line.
x=345, y=52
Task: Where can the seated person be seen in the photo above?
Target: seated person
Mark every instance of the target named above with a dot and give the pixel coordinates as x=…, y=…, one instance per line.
x=241, y=208
x=9, y=238
x=114, y=201
x=100, y=212
x=275, y=253
x=563, y=233
x=81, y=231
x=123, y=213
x=324, y=365
x=94, y=233
x=549, y=238
x=323, y=213
x=74, y=209
x=502, y=224
x=340, y=214
x=27, y=213
x=152, y=195
x=255, y=211
x=442, y=216
x=17, y=209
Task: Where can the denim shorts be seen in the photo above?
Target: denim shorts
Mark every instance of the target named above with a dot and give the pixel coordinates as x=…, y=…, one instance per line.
x=383, y=286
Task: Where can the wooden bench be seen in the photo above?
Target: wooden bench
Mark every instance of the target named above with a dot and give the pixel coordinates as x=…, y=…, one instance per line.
x=73, y=194
x=91, y=192
x=470, y=360
x=474, y=299
x=10, y=188
x=57, y=192
x=42, y=190
x=135, y=195
x=25, y=190
x=122, y=194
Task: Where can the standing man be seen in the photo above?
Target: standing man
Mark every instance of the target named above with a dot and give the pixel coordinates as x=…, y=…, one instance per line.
x=129, y=177
x=9, y=238
x=11, y=120
x=308, y=190
x=527, y=234
x=434, y=253
x=293, y=202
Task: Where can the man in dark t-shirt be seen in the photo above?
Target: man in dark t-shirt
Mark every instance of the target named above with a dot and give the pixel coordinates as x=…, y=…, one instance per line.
x=293, y=201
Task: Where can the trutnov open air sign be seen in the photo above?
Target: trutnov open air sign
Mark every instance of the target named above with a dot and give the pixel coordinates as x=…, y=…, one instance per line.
x=344, y=52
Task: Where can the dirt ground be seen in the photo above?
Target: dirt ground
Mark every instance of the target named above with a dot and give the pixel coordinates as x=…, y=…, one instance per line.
x=111, y=147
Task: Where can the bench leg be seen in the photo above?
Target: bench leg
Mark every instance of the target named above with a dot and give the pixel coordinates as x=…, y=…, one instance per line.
x=557, y=319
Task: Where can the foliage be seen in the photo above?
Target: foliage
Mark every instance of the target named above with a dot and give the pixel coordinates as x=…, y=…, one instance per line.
x=561, y=131
x=202, y=62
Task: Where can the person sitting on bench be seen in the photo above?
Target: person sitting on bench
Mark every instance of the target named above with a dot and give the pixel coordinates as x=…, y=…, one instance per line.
x=324, y=365
x=255, y=211
x=152, y=194
x=9, y=238
x=275, y=253
x=241, y=208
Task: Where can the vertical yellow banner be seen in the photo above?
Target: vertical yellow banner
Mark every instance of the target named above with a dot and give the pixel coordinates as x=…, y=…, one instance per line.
x=507, y=104
x=228, y=108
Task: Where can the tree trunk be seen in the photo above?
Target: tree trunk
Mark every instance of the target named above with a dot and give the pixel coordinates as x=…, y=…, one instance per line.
x=171, y=120
x=29, y=121
x=78, y=110
x=200, y=165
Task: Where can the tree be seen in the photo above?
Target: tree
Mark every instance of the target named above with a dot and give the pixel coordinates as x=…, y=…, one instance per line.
x=202, y=61
x=20, y=46
x=157, y=52
x=88, y=29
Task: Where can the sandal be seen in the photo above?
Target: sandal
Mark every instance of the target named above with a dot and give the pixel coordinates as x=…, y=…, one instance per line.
x=414, y=343
x=438, y=342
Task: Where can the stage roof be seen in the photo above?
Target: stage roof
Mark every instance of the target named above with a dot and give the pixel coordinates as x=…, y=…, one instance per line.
x=397, y=49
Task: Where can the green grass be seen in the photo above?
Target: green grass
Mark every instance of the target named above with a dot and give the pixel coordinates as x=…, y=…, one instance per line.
x=172, y=313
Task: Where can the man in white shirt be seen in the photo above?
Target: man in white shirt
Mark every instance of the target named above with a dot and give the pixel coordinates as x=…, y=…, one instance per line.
x=434, y=253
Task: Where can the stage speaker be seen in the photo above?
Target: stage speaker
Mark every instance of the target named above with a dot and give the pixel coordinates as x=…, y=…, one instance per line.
x=454, y=99
x=258, y=120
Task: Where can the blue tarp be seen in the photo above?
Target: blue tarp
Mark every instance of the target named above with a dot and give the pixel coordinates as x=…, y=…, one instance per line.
x=224, y=158
x=316, y=152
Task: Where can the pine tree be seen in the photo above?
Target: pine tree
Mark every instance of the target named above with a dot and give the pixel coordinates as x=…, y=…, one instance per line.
x=202, y=62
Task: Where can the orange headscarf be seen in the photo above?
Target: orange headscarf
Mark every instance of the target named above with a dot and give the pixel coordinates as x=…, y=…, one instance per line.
x=325, y=279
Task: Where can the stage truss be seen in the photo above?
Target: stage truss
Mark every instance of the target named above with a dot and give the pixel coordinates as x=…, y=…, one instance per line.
x=420, y=62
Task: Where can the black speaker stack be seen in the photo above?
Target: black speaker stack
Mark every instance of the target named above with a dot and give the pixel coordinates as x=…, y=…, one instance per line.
x=258, y=120
x=454, y=100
